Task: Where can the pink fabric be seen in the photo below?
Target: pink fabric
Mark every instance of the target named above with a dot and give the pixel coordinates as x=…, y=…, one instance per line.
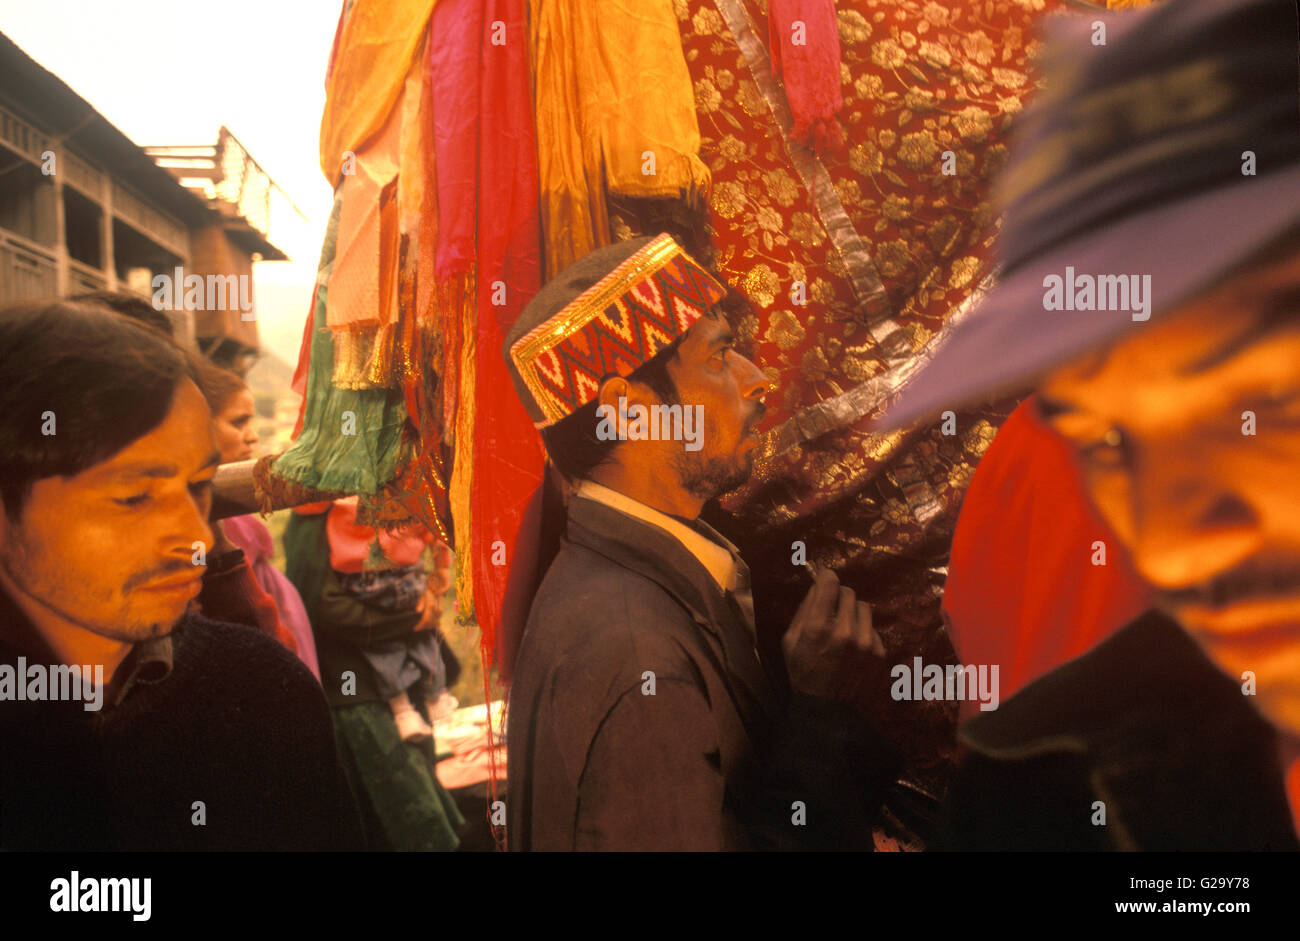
x=457, y=29
x=471, y=759
x=350, y=543
x=250, y=534
x=804, y=38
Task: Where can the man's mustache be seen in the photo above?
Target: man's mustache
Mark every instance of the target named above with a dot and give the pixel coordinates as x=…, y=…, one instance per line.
x=760, y=410
x=172, y=567
x=1248, y=583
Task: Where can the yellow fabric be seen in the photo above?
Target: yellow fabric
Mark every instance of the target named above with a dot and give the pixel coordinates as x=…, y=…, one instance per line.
x=614, y=99
x=379, y=41
x=462, y=468
x=390, y=197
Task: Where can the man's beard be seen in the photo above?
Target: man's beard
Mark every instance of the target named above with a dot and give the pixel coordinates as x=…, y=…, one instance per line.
x=711, y=477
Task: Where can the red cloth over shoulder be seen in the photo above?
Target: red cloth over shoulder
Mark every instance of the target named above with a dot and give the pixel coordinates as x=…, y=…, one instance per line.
x=1022, y=591
x=234, y=596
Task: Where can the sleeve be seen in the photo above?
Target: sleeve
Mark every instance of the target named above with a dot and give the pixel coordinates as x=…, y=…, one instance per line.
x=345, y=618
x=653, y=777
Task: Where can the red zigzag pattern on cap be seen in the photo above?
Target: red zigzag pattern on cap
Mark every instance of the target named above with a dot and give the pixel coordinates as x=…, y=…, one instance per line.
x=627, y=333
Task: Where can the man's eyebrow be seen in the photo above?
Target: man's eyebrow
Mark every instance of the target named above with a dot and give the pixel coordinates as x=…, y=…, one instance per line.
x=1049, y=409
x=213, y=460
x=1273, y=318
x=132, y=471
x=722, y=338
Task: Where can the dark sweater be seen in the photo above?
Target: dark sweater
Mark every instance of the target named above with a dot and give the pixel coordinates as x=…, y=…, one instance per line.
x=239, y=724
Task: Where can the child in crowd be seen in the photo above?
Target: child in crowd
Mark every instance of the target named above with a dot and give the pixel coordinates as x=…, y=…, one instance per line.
x=383, y=570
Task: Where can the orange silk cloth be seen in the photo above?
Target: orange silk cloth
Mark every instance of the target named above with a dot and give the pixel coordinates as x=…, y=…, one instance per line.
x=614, y=111
x=373, y=51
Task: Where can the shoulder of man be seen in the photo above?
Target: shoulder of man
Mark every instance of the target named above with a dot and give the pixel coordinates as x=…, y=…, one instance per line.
x=275, y=710
x=1143, y=728
x=595, y=621
x=238, y=658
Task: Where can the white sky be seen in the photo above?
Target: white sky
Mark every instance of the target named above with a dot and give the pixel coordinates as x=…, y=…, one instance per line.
x=174, y=71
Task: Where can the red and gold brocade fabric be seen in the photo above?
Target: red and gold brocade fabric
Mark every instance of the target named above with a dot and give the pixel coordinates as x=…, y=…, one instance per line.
x=887, y=248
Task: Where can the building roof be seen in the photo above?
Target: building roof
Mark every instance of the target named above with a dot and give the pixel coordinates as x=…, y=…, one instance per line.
x=42, y=99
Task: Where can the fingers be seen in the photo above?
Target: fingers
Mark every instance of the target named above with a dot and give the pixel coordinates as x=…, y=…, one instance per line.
x=845, y=614
x=867, y=629
x=823, y=595
x=815, y=607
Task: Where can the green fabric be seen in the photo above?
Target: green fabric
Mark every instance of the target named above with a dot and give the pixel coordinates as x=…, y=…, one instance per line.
x=404, y=807
x=306, y=559
x=323, y=457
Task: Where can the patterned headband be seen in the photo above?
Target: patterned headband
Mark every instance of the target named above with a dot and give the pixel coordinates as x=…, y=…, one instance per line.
x=613, y=327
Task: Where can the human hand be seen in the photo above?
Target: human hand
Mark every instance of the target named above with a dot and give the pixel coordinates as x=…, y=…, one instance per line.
x=831, y=650
x=430, y=608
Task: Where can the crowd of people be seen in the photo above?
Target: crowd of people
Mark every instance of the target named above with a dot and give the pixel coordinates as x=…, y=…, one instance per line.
x=1126, y=561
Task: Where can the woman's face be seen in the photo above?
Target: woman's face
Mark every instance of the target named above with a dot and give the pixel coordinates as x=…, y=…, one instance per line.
x=234, y=428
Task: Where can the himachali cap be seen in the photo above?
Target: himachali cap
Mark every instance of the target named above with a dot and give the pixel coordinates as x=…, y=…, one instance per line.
x=606, y=314
x=1130, y=163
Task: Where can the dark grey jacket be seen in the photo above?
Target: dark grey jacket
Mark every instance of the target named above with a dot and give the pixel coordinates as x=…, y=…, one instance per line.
x=1145, y=724
x=641, y=717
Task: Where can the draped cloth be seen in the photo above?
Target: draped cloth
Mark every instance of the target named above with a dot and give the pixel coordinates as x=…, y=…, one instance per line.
x=804, y=38
x=1024, y=590
x=374, y=47
x=325, y=456
x=615, y=113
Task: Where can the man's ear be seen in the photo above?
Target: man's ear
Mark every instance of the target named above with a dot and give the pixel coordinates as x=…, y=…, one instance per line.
x=612, y=389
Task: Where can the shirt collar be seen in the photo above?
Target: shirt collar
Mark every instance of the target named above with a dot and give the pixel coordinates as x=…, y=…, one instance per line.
x=149, y=662
x=711, y=548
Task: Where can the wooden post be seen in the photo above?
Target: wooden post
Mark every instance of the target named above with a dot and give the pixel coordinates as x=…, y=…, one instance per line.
x=235, y=491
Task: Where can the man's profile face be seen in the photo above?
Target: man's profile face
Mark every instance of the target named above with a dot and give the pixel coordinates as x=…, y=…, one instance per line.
x=111, y=549
x=1209, y=512
x=709, y=372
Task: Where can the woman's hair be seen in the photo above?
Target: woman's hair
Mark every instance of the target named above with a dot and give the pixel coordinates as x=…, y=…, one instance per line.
x=218, y=385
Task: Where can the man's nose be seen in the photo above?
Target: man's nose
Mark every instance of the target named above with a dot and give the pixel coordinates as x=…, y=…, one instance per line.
x=1193, y=519
x=250, y=436
x=188, y=524
x=754, y=383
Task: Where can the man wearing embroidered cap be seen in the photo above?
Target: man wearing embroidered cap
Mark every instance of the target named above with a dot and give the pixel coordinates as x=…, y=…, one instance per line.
x=641, y=714
x=1161, y=168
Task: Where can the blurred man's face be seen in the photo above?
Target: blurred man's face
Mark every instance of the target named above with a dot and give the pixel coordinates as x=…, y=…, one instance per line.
x=1209, y=512
x=111, y=550
x=709, y=372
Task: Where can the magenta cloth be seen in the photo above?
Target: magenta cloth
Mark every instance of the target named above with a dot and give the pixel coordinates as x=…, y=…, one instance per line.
x=804, y=38
x=250, y=534
x=457, y=30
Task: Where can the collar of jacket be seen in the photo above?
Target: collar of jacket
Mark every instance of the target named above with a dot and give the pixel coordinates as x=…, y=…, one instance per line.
x=148, y=661
x=657, y=555
x=1172, y=744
